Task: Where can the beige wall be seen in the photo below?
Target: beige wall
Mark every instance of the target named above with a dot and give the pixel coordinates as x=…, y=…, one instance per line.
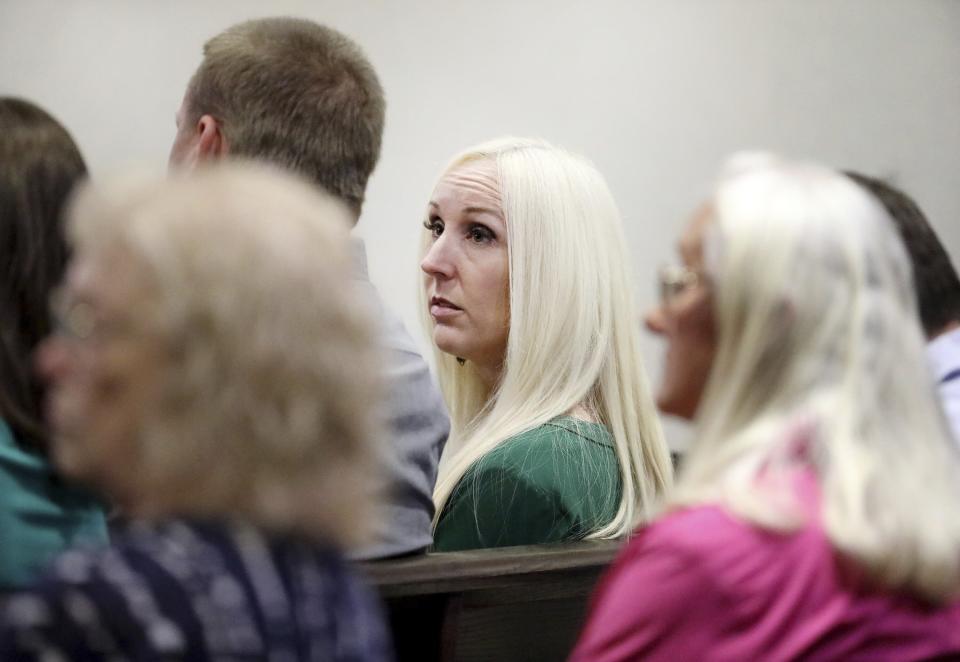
x=655, y=92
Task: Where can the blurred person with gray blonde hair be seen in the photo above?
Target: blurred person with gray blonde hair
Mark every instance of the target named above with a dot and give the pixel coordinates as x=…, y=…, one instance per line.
x=817, y=513
x=527, y=296
x=187, y=385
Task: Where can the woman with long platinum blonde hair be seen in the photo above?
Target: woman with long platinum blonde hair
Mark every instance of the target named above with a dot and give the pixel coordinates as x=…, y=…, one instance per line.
x=528, y=300
x=817, y=515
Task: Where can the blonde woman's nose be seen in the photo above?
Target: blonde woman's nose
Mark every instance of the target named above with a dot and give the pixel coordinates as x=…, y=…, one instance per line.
x=437, y=262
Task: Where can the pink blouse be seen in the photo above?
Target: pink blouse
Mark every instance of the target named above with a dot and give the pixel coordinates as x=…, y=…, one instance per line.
x=700, y=584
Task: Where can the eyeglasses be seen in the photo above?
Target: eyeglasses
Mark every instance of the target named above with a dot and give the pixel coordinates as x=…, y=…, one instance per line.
x=79, y=321
x=673, y=280
x=75, y=320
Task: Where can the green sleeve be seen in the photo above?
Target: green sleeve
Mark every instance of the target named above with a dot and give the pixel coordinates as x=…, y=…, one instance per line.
x=495, y=506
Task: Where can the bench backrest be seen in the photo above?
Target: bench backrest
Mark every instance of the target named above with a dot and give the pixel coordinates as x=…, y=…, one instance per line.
x=505, y=604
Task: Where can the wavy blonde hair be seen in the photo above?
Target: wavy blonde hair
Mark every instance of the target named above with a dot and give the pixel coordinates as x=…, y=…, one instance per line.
x=819, y=341
x=573, y=338
x=268, y=368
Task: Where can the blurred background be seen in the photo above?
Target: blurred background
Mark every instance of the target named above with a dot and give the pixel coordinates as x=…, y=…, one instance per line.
x=655, y=92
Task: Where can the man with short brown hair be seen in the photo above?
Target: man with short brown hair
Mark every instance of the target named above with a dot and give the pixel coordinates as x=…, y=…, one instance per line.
x=288, y=91
x=937, y=287
x=304, y=97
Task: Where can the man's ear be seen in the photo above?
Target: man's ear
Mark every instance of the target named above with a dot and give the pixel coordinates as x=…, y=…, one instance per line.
x=211, y=143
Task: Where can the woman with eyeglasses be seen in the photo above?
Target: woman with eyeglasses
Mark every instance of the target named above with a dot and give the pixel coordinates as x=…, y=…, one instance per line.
x=817, y=515
x=527, y=297
x=40, y=514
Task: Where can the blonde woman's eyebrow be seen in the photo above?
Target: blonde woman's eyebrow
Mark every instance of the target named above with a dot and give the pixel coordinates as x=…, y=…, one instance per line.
x=482, y=210
x=472, y=209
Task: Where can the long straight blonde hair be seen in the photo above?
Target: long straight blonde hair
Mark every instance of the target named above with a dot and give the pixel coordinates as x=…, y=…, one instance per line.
x=819, y=340
x=573, y=337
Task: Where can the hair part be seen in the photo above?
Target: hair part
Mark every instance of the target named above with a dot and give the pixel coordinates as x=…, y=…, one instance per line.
x=820, y=349
x=269, y=365
x=935, y=278
x=39, y=167
x=296, y=94
x=573, y=338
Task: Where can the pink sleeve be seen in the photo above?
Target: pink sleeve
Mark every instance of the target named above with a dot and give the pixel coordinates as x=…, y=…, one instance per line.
x=655, y=603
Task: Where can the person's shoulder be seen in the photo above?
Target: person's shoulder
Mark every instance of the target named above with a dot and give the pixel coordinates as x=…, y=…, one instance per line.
x=78, y=609
x=692, y=527
x=510, y=474
x=392, y=335
x=562, y=433
x=87, y=566
x=697, y=529
x=556, y=448
x=520, y=458
x=413, y=399
x=944, y=352
x=554, y=458
x=707, y=536
x=685, y=555
x=729, y=548
x=14, y=457
x=6, y=435
x=661, y=598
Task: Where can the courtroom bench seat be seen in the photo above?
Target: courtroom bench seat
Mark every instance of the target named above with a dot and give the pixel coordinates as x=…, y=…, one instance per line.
x=503, y=604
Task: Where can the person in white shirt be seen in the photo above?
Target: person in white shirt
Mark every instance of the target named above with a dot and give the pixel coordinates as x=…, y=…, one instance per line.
x=938, y=290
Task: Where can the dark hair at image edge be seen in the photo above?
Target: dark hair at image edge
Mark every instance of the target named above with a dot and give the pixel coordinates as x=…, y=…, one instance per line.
x=935, y=278
x=39, y=167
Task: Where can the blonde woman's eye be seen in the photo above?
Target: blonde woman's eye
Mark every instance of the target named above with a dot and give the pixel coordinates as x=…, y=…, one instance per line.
x=480, y=234
x=435, y=226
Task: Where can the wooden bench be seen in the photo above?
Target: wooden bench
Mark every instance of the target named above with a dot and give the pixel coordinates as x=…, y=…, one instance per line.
x=505, y=604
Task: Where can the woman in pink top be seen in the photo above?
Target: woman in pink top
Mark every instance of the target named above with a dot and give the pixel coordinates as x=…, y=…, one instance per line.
x=817, y=515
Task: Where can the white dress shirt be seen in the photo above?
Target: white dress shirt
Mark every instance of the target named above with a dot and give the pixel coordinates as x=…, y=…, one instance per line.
x=944, y=356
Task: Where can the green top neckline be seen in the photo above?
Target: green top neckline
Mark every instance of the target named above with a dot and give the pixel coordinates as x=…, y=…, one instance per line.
x=589, y=430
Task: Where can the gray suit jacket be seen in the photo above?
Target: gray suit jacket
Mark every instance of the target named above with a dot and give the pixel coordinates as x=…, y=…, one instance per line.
x=418, y=426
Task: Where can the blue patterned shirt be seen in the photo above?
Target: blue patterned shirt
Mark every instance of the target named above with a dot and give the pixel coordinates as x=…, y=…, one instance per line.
x=191, y=591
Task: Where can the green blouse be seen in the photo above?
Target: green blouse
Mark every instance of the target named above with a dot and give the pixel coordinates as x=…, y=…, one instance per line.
x=40, y=515
x=557, y=482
